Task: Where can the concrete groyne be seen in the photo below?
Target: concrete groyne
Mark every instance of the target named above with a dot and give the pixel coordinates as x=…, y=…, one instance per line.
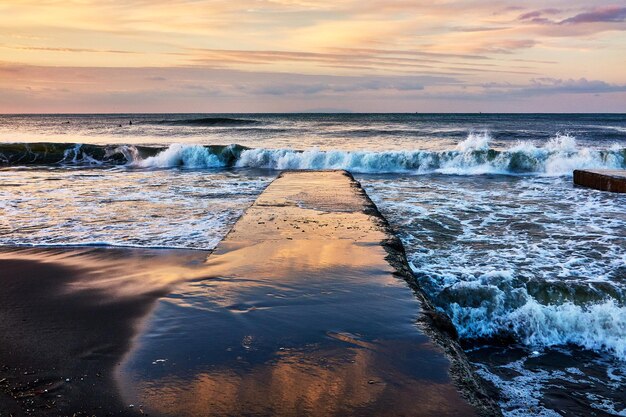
x=308, y=308
x=613, y=180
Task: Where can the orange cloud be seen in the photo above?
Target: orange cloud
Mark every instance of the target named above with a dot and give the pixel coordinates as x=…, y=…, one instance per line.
x=474, y=42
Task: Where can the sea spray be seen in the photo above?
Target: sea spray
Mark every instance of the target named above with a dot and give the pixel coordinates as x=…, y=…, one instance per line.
x=530, y=259
x=190, y=156
x=560, y=156
x=476, y=141
x=491, y=307
x=473, y=156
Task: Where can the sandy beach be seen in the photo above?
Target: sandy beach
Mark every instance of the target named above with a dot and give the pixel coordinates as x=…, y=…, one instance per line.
x=68, y=317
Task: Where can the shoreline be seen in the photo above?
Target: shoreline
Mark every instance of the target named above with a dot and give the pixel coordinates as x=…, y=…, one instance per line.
x=69, y=316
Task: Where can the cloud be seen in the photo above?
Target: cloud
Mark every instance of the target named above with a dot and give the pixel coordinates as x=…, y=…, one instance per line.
x=506, y=46
x=56, y=49
x=193, y=89
x=589, y=21
x=340, y=86
x=546, y=86
x=218, y=54
x=538, y=13
x=223, y=90
x=572, y=86
x=600, y=14
x=365, y=60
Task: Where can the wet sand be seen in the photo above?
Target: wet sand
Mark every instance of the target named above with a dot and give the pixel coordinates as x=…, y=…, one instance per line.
x=67, y=316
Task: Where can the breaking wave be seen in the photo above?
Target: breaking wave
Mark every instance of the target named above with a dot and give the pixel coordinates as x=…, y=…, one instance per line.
x=532, y=261
x=558, y=156
x=540, y=314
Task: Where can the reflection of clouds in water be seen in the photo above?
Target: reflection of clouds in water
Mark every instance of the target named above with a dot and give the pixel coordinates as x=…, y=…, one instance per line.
x=341, y=338
x=120, y=272
x=321, y=381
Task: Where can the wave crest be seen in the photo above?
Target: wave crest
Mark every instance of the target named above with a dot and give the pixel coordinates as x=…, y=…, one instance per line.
x=474, y=156
x=539, y=314
x=559, y=156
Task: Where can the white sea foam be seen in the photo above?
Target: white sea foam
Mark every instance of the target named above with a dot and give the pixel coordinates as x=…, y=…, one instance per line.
x=597, y=326
x=522, y=387
x=476, y=141
x=532, y=258
x=191, y=156
x=135, y=208
x=522, y=394
x=473, y=156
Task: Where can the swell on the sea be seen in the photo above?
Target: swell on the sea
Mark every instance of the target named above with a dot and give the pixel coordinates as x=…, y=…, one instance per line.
x=473, y=156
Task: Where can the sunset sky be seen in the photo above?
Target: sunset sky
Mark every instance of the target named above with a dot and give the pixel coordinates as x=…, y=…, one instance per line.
x=301, y=55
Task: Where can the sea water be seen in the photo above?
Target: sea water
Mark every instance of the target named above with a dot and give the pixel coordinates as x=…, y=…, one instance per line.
x=531, y=269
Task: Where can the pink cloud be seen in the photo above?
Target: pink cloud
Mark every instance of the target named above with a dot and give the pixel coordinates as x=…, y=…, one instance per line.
x=600, y=14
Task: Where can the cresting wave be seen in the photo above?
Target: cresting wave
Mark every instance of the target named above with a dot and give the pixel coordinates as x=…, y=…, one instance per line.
x=528, y=259
x=473, y=156
x=538, y=314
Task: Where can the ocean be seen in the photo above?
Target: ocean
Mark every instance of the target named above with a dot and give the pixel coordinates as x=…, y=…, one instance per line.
x=530, y=268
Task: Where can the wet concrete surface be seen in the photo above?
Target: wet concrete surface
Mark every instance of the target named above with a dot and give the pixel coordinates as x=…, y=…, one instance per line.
x=298, y=312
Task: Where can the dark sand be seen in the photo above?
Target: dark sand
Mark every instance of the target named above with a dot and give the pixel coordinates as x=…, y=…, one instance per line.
x=67, y=316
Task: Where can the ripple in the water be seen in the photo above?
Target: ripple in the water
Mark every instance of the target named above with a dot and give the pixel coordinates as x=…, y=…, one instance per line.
x=175, y=209
x=530, y=259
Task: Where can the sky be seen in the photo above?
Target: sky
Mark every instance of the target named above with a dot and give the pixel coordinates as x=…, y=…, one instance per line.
x=222, y=56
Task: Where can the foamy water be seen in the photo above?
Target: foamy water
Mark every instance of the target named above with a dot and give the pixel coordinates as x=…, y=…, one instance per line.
x=474, y=155
x=102, y=207
x=531, y=269
x=534, y=259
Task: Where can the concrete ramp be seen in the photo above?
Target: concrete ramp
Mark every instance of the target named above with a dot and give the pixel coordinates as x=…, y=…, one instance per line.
x=300, y=313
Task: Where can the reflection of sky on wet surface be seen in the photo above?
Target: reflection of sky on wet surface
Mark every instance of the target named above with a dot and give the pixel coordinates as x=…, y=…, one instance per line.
x=314, y=323
x=334, y=339
x=118, y=272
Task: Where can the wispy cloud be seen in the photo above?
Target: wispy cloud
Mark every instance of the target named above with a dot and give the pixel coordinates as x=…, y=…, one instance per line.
x=506, y=46
x=587, y=21
x=538, y=14
x=572, y=86
x=58, y=49
x=250, y=54
x=600, y=14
